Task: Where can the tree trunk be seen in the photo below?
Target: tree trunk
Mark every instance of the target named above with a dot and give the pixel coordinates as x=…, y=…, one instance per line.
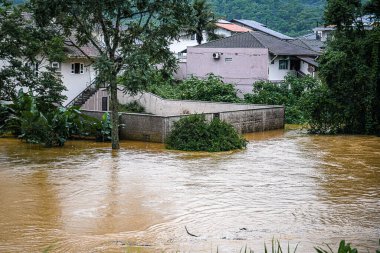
x=114, y=107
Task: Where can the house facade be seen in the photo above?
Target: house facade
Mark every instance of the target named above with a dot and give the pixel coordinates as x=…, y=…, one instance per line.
x=245, y=58
x=77, y=71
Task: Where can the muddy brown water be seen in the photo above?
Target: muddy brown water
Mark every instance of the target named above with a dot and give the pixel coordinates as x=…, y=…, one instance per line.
x=287, y=185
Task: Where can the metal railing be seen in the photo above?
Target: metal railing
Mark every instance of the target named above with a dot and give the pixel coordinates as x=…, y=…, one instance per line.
x=81, y=95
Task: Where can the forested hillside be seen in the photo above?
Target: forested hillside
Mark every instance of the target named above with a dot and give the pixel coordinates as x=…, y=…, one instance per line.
x=292, y=17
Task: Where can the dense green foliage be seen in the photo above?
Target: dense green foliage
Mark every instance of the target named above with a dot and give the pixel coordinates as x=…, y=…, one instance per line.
x=211, y=88
x=350, y=69
x=51, y=126
x=133, y=106
x=292, y=17
x=194, y=133
x=204, y=21
x=294, y=93
x=104, y=128
x=27, y=50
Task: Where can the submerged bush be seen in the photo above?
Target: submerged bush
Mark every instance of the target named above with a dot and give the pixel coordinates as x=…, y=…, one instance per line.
x=104, y=128
x=194, y=133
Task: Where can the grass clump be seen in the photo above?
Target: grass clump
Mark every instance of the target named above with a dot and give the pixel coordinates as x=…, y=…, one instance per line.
x=194, y=133
x=133, y=106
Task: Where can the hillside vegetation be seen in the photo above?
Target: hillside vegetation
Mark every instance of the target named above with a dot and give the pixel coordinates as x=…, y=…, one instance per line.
x=292, y=17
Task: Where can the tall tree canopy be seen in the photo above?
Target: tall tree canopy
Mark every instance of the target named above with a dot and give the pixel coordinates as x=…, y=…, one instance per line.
x=131, y=37
x=204, y=21
x=350, y=68
x=24, y=49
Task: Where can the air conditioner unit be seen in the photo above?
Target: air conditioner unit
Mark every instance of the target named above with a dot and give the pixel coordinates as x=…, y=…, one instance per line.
x=216, y=55
x=55, y=65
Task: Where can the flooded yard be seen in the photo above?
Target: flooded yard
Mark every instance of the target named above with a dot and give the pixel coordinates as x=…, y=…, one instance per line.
x=286, y=185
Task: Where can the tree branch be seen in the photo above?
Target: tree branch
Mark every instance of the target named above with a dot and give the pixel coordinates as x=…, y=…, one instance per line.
x=89, y=36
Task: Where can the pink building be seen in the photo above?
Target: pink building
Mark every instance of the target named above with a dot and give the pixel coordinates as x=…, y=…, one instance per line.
x=245, y=58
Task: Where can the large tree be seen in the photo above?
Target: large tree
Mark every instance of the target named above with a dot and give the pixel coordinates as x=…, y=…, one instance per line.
x=350, y=69
x=24, y=50
x=131, y=37
x=204, y=21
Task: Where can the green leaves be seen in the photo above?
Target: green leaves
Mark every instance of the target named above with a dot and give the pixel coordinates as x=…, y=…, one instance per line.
x=104, y=128
x=350, y=69
x=50, y=127
x=292, y=17
x=211, y=88
x=28, y=49
x=343, y=248
x=193, y=133
x=293, y=93
x=342, y=13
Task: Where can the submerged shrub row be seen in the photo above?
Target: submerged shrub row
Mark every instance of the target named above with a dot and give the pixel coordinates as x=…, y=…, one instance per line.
x=194, y=133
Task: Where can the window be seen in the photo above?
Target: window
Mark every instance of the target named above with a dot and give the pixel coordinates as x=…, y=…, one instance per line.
x=36, y=66
x=283, y=64
x=77, y=68
x=55, y=64
x=192, y=37
x=104, y=104
x=33, y=66
x=228, y=59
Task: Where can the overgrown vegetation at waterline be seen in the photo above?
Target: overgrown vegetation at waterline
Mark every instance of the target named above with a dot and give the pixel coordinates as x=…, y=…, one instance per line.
x=194, y=133
x=211, y=88
x=52, y=125
x=349, y=100
x=294, y=92
x=277, y=248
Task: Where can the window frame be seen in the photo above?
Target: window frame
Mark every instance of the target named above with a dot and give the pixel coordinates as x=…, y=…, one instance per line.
x=81, y=68
x=280, y=64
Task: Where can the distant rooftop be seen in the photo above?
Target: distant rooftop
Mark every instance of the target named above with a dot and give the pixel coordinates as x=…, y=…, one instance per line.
x=309, y=36
x=309, y=60
x=231, y=27
x=256, y=39
x=325, y=28
x=256, y=26
x=312, y=44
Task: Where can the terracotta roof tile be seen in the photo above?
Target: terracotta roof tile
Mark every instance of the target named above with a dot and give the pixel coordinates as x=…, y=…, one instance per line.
x=233, y=27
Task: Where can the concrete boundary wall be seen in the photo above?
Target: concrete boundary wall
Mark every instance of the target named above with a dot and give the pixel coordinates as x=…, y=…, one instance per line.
x=170, y=107
x=156, y=128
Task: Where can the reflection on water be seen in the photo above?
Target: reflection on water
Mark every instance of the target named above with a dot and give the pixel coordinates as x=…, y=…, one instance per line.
x=288, y=185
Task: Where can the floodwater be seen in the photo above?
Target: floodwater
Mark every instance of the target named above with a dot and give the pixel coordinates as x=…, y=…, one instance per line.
x=286, y=185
